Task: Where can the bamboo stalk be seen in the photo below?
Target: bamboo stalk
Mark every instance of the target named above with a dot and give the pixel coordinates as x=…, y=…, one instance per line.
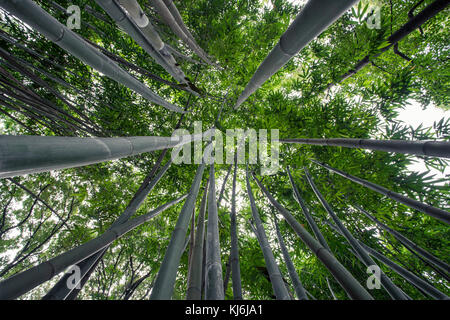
x=423, y=148
x=75, y=45
x=311, y=222
x=444, y=267
x=437, y=213
x=312, y=20
x=213, y=274
x=165, y=280
x=22, y=282
x=275, y=276
x=353, y=288
x=30, y=154
x=298, y=287
x=234, y=250
x=362, y=255
x=194, y=286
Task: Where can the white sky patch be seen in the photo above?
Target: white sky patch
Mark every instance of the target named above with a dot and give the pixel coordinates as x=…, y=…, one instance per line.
x=413, y=115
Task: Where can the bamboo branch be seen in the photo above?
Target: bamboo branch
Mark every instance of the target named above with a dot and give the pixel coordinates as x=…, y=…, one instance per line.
x=426, y=14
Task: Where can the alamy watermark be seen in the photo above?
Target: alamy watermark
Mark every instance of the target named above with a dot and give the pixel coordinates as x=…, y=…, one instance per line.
x=74, y=20
x=73, y=281
x=235, y=146
x=369, y=12
x=373, y=282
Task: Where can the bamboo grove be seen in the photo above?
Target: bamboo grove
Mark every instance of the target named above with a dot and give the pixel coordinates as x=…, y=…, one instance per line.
x=94, y=206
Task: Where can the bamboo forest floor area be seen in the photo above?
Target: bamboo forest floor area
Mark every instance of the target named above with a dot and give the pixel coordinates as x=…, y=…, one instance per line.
x=224, y=150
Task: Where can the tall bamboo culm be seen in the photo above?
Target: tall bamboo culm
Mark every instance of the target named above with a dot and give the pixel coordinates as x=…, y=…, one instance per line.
x=194, y=285
x=314, y=18
x=437, y=213
x=353, y=288
x=234, y=251
x=423, y=148
x=298, y=287
x=213, y=272
x=165, y=280
x=362, y=255
x=31, y=154
x=275, y=276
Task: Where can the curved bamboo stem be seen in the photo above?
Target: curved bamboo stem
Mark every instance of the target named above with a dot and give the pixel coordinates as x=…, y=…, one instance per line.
x=31, y=154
